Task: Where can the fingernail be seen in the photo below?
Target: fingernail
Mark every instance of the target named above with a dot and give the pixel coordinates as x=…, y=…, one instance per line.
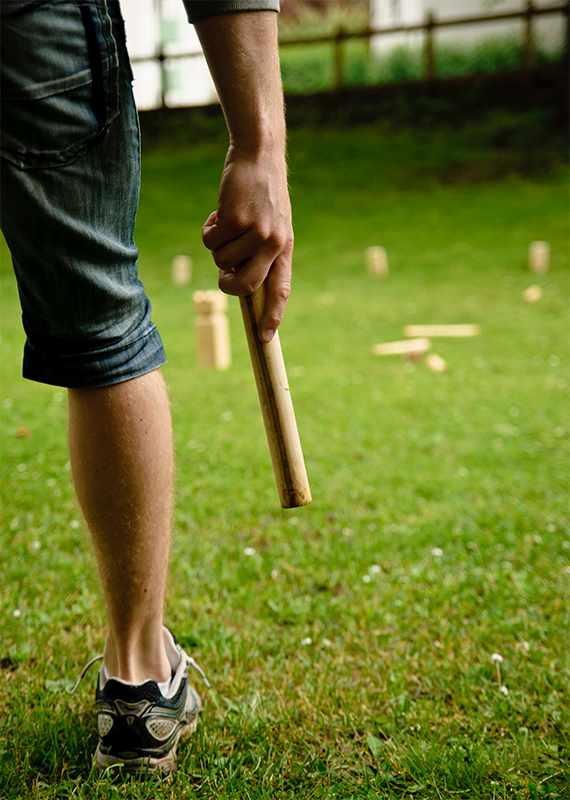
x=267, y=336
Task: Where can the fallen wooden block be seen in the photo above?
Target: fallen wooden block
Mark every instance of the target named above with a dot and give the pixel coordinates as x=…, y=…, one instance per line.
x=436, y=363
x=442, y=330
x=402, y=348
x=539, y=257
x=377, y=261
x=532, y=294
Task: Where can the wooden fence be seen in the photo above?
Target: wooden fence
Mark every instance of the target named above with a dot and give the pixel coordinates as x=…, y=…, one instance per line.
x=429, y=27
x=431, y=24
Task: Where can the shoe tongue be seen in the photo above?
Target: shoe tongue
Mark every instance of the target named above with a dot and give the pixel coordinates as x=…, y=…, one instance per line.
x=166, y=686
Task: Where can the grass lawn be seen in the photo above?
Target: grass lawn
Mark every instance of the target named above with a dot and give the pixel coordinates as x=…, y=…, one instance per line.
x=349, y=643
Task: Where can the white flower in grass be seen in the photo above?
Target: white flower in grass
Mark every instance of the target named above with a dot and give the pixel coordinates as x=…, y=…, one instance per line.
x=274, y=574
x=437, y=552
x=497, y=658
x=504, y=690
x=36, y=545
x=366, y=578
x=326, y=643
x=249, y=551
x=306, y=641
x=375, y=569
x=16, y=612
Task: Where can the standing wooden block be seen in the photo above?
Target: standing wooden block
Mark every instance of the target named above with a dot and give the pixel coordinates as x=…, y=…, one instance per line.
x=532, y=294
x=212, y=329
x=442, y=330
x=181, y=270
x=377, y=262
x=539, y=257
x=403, y=348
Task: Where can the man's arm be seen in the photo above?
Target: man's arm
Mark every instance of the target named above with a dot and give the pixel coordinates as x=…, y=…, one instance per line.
x=250, y=235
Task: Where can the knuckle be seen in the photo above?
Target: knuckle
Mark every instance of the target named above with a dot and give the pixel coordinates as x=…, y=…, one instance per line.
x=241, y=221
x=278, y=240
x=283, y=291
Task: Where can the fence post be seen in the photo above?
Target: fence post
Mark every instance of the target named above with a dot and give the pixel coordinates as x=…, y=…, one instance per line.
x=163, y=79
x=567, y=43
x=528, y=51
x=338, y=59
x=430, y=59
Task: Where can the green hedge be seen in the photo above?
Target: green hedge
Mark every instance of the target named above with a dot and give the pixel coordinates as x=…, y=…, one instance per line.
x=310, y=68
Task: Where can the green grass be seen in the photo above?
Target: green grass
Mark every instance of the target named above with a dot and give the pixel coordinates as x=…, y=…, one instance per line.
x=438, y=534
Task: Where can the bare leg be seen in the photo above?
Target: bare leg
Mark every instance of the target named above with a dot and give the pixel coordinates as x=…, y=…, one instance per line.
x=120, y=444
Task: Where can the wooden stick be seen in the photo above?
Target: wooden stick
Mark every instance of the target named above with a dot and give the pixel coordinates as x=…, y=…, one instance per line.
x=442, y=330
x=276, y=407
x=403, y=348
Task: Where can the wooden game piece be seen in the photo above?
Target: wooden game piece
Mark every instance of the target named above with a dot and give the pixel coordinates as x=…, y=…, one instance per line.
x=539, y=257
x=436, y=363
x=532, y=294
x=402, y=348
x=377, y=261
x=276, y=407
x=181, y=270
x=213, y=329
x=442, y=330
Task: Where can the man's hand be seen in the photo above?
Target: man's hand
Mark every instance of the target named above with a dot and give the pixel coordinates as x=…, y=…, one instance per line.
x=250, y=235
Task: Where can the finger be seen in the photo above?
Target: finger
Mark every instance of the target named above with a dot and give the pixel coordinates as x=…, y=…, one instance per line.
x=218, y=232
x=246, y=278
x=245, y=247
x=208, y=225
x=277, y=290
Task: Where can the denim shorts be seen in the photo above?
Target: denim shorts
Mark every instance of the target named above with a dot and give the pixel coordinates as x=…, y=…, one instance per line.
x=70, y=182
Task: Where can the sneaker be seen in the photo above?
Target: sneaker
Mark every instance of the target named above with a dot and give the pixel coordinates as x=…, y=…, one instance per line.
x=139, y=727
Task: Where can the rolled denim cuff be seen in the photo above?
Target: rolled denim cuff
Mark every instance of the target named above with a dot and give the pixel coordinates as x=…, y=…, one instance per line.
x=200, y=9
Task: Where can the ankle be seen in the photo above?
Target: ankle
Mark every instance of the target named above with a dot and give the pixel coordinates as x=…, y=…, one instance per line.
x=136, y=663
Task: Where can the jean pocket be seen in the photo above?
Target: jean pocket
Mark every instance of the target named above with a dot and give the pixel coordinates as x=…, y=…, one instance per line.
x=59, y=81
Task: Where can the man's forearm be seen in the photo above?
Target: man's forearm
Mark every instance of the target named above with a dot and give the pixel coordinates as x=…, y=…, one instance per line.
x=250, y=233
x=243, y=57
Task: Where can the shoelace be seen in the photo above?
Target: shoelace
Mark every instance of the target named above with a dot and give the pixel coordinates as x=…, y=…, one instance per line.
x=198, y=669
x=84, y=672
x=189, y=660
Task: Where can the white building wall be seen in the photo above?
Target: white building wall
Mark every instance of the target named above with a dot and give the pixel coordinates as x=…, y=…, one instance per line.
x=550, y=29
x=185, y=82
